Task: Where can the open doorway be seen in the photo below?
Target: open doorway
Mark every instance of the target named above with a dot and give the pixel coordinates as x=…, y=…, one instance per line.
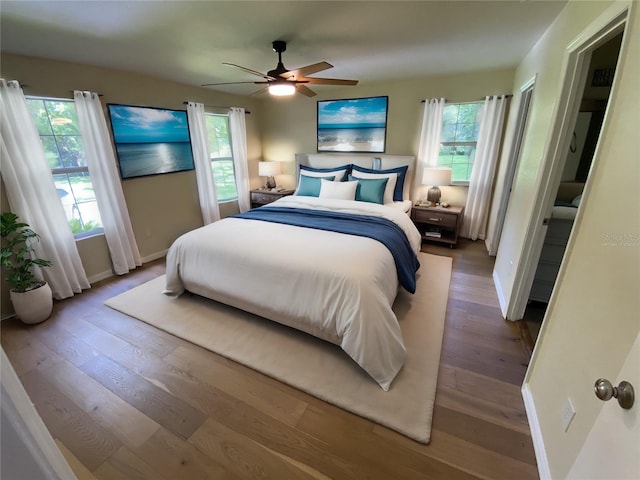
x=526, y=92
x=575, y=171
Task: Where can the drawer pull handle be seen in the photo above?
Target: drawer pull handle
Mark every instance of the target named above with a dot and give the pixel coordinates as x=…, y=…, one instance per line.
x=431, y=219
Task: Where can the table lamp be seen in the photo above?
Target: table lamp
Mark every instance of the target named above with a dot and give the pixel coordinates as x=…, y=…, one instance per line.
x=269, y=169
x=436, y=177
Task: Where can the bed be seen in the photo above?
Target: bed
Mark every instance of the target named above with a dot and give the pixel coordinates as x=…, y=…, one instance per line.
x=559, y=228
x=279, y=262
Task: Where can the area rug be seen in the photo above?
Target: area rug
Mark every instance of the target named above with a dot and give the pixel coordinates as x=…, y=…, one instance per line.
x=311, y=365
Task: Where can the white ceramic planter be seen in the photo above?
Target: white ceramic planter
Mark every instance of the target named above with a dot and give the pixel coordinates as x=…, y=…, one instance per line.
x=33, y=306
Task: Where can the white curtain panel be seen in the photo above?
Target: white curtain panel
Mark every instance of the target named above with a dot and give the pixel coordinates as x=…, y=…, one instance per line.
x=429, y=138
x=474, y=224
x=32, y=194
x=202, y=161
x=239, y=146
x=101, y=162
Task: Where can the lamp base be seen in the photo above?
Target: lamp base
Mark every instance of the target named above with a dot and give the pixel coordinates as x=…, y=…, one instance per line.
x=433, y=195
x=271, y=182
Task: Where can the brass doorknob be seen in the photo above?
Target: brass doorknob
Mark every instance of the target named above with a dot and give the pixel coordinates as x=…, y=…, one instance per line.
x=623, y=392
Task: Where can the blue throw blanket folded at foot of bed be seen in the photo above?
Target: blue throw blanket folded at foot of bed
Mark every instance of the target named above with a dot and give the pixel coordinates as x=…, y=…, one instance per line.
x=380, y=229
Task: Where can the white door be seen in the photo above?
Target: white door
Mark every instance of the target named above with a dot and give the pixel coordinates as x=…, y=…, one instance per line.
x=615, y=434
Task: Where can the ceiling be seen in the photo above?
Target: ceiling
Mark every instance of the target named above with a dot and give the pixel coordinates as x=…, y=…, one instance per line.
x=369, y=41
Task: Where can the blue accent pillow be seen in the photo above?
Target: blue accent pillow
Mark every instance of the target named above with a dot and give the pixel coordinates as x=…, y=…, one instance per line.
x=344, y=168
x=401, y=171
x=310, y=186
x=370, y=189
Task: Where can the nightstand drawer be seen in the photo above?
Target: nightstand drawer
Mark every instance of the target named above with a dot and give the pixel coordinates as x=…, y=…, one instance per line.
x=435, y=218
x=257, y=197
x=264, y=197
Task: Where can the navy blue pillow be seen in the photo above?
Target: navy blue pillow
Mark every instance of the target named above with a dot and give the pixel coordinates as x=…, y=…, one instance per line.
x=370, y=189
x=401, y=171
x=329, y=170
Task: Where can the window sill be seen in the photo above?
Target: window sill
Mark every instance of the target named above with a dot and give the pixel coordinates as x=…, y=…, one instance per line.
x=92, y=233
x=459, y=184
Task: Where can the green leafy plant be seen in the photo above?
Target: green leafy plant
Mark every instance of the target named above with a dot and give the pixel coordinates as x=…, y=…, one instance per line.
x=17, y=253
x=77, y=226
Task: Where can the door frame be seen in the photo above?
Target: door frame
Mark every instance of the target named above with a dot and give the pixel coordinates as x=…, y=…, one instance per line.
x=577, y=58
x=575, y=67
x=526, y=94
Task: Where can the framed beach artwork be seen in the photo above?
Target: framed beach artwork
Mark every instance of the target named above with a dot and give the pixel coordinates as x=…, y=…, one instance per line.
x=150, y=141
x=353, y=125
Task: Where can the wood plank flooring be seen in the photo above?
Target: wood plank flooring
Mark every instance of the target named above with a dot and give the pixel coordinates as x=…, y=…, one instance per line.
x=124, y=400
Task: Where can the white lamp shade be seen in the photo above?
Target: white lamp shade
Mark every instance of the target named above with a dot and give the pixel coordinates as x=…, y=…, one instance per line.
x=436, y=176
x=269, y=169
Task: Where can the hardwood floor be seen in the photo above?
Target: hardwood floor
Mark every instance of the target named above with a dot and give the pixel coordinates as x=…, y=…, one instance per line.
x=127, y=401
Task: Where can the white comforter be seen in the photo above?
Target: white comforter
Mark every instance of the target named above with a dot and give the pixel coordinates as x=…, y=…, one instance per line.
x=334, y=286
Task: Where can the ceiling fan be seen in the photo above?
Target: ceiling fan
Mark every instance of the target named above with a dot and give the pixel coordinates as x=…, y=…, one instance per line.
x=281, y=81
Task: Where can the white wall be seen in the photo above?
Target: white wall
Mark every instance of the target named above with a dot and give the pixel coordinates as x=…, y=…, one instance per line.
x=592, y=320
x=545, y=62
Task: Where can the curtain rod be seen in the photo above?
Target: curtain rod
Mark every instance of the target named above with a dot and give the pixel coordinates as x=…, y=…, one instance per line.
x=472, y=101
x=73, y=91
x=247, y=112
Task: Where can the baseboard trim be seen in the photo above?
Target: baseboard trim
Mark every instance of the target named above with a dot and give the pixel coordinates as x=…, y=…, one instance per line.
x=536, y=434
x=108, y=274
x=155, y=256
x=501, y=299
x=100, y=276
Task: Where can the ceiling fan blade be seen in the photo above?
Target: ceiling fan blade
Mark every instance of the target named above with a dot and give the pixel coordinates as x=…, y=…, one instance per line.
x=330, y=81
x=225, y=83
x=258, y=92
x=248, y=70
x=308, y=70
x=304, y=90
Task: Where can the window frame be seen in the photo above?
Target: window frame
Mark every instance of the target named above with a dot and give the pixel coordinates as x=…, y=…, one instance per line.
x=224, y=159
x=464, y=183
x=66, y=170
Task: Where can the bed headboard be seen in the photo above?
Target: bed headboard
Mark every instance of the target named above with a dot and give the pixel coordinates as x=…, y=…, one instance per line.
x=366, y=160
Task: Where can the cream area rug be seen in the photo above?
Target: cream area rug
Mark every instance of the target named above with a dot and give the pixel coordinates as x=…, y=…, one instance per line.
x=311, y=365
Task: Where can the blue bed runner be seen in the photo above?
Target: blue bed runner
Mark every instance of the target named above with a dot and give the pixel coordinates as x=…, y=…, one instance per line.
x=380, y=229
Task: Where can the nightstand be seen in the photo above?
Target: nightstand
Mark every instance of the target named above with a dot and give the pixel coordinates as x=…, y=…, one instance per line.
x=262, y=197
x=438, y=224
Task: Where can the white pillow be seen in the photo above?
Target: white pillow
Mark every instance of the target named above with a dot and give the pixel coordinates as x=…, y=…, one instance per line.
x=391, y=183
x=338, y=190
x=576, y=200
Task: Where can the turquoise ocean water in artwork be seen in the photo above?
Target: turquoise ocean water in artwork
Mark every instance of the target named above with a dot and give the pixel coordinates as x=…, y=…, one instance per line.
x=141, y=159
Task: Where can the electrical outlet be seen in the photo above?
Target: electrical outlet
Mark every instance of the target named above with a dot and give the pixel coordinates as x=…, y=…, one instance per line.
x=568, y=412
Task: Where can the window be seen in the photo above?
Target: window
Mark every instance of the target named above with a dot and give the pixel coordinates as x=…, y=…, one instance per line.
x=57, y=125
x=460, y=127
x=221, y=157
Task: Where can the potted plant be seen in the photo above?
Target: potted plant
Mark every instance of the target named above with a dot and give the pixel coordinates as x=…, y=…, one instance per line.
x=31, y=298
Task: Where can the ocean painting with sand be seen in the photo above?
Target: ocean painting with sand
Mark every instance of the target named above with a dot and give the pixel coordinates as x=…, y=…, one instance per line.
x=355, y=125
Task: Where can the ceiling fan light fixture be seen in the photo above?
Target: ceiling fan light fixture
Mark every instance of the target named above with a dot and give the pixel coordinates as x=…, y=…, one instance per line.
x=282, y=89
